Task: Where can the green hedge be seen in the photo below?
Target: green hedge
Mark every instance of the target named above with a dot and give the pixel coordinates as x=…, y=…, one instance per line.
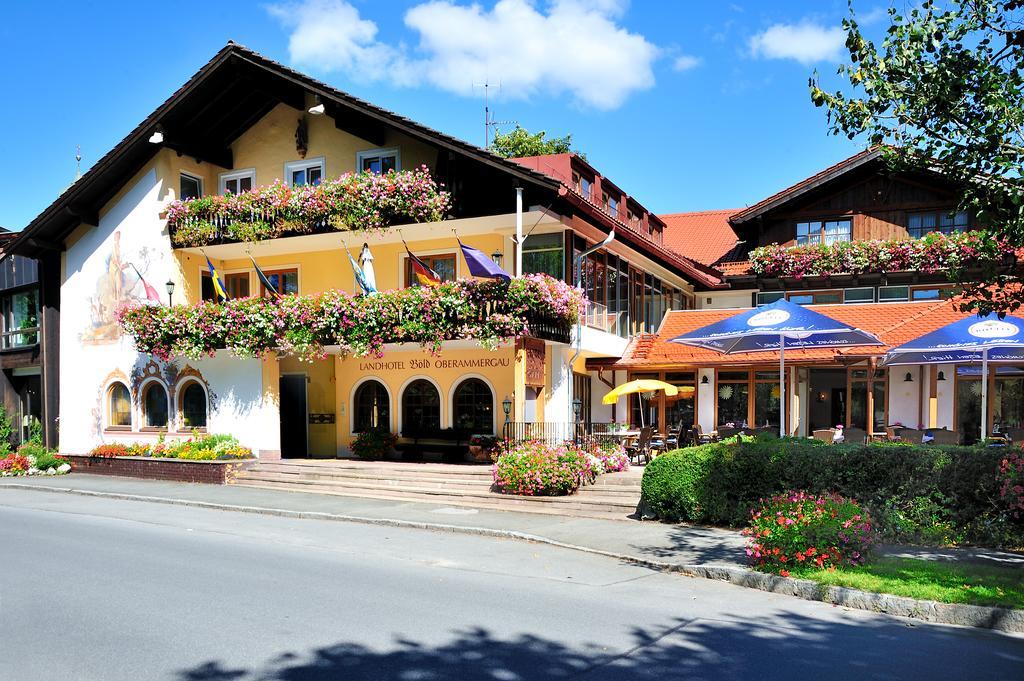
x=933, y=495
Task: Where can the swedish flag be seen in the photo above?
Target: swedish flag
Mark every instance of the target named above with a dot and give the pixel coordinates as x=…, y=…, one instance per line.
x=218, y=287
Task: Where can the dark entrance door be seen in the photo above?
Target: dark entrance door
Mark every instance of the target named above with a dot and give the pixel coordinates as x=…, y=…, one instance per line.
x=293, y=416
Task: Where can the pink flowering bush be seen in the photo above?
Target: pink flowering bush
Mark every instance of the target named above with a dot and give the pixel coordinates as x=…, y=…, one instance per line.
x=807, y=530
x=488, y=311
x=1011, y=484
x=354, y=201
x=535, y=468
x=611, y=455
x=14, y=464
x=934, y=252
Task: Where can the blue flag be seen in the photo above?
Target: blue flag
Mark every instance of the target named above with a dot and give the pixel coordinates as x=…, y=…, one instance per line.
x=218, y=287
x=360, y=278
x=480, y=265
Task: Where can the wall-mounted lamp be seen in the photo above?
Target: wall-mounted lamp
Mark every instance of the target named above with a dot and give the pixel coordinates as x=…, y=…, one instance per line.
x=909, y=378
x=506, y=405
x=496, y=257
x=704, y=380
x=577, y=407
x=158, y=136
x=821, y=396
x=318, y=108
x=941, y=376
x=170, y=293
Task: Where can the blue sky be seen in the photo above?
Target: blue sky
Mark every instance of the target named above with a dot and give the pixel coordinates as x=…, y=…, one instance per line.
x=685, y=105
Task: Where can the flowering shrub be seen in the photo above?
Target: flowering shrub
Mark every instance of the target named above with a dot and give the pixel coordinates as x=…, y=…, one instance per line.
x=489, y=311
x=33, y=459
x=932, y=253
x=14, y=464
x=536, y=468
x=354, y=201
x=1011, y=483
x=800, y=529
x=196, y=448
x=374, y=443
x=610, y=454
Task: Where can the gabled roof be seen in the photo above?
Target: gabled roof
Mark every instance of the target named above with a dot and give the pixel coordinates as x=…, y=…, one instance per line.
x=893, y=323
x=806, y=185
x=705, y=236
x=224, y=98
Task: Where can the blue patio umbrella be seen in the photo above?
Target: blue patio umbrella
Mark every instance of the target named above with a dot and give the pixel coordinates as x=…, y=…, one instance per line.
x=973, y=339
x=777, y=326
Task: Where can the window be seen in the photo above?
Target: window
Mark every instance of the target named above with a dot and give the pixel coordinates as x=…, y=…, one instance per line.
x=583, y=185
x=769, y=297
x=20, y=319
x=859, y=295
x=119, y=406
x=544, y=254
x=421, y=409
x=931, y=292
x=193, y=406
x=822, y=232
x=443, y=264
x=299, y=173
x=680, y=409
x=862, y=384
x=236, y=285
x=285, y=282
x=611, y=205
x=816, y=298
x=643, y=407
x=372, y=409
x=190, y=187
x=473, y=407
x=17, y=270
x=893, y=294
x=154, y=405
x=767, y=398
x=378, y=161
x=733, y=393
x=919, y=224
x=236, y=183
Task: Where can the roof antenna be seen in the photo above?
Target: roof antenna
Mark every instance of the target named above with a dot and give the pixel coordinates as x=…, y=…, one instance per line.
x=78, y=161
x=489, y=121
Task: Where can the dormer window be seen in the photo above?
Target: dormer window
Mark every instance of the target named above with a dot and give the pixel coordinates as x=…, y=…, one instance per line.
x=300, y=173
x=919, y=224
x=823, y=232
x=583, y=185
x=378, y=161
x=611, y=205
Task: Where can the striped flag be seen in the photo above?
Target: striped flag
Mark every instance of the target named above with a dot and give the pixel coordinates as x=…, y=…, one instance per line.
x=151, y=293
x=424, y=274
x=267, y=284
x=218, y=287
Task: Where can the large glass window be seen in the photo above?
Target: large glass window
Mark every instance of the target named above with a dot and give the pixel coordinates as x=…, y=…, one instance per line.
x=1008, y=398
x=643, y=409
x=193, y=406
x=473, y=407
x=443, y=264
x=680, y=409
x=119, y=406
x=968, y=403
x=20, y=318
x=733, y=395
x=154, y=405
x=284, y=282
x=236, y=285
x=421, y=409
x=767, y=398
x=862, y=384
x=544, y=254
x=372, y=409
x=919, y=224
x=823, y=232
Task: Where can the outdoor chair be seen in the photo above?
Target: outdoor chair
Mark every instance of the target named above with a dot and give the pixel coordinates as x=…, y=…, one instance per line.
x=674, y=438
x=855, y=435
x=945, y=437
x=912, y=435
x=700, y=437
x=825, y=435
x=642, y=447
x=893, y=433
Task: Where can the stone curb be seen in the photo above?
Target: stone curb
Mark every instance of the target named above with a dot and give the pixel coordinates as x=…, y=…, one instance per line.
x=1001, y=619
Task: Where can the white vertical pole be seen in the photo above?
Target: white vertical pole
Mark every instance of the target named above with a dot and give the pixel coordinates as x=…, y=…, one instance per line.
x=984, y=394
x=519, y=231
x=782, y=385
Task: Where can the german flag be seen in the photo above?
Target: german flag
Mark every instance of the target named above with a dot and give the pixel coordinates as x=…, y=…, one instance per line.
x=425, y=275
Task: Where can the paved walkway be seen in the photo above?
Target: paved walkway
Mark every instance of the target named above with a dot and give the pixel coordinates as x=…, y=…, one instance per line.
x=660, y=542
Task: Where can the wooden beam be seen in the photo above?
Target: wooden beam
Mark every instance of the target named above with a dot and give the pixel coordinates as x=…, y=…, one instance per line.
x=45, y=245
x=86, y=214
x=358, y=125
x=201, y=150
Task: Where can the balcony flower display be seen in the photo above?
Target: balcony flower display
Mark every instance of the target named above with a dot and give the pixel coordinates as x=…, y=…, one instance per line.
x=352, y=202
x=489, y=311
x=934, y=252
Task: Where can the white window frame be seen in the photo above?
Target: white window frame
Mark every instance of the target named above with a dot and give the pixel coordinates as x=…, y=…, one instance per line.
x=369, y=153
x=224, y=178
x=304, y=164
x=191, y=176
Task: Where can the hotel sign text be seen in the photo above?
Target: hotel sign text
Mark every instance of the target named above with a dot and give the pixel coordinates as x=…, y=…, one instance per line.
x=417, y=364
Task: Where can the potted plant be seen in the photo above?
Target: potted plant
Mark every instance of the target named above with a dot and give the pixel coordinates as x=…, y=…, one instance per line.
x=375, y=443
x=480, y=447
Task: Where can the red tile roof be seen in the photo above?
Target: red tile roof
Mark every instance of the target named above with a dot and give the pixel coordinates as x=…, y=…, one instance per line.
x=705, y=236
x=893, y=323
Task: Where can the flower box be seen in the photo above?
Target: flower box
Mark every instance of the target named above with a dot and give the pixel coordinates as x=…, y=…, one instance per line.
x=216, y=472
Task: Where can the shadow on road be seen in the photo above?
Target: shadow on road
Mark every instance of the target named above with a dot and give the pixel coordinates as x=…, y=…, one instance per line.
x=698, y=649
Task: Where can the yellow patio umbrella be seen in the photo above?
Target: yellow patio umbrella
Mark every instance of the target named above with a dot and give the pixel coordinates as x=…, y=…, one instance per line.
x=642, y=385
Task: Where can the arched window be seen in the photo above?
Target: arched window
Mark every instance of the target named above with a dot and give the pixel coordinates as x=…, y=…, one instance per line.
x=473, y=407
x=193, y=406
x=119, y=405
x=372, y=409
x=154, y=405
x=421, y=409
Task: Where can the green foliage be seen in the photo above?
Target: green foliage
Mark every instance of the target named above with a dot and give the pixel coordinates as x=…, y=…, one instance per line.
x=42, y=457
x=375, y=443
x=914, y=493
x=537, y=468
x=35, y=431
x=520, y=142
x=945, y=91
x=6, y=430
x=211, y=447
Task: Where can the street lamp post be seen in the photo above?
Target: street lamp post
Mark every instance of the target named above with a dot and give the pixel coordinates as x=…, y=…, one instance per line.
x=170, y=293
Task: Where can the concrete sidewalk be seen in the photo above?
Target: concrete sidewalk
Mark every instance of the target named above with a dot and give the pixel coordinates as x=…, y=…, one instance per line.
x=654, y=542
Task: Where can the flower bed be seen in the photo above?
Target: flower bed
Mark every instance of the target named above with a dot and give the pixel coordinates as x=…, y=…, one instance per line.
x=535, y=468
x=488, y=311
x=33, y=459
x=797, y=529
x=934, y=252
x=354, y=201
x=204, y=448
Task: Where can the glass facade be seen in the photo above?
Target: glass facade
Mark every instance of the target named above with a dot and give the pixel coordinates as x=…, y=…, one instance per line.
x=545, y=254
x=733, y=392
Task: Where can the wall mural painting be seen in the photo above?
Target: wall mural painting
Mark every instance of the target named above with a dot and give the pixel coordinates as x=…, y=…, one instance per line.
x=121, y=282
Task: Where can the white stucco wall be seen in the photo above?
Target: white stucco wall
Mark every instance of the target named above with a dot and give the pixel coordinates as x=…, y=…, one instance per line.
x=905, y=398
x=706, y=400
x=99, y=273
x=724, y=299
x=944, y=395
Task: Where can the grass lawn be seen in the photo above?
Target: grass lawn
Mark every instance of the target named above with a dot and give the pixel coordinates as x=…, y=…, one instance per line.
x=928, y=580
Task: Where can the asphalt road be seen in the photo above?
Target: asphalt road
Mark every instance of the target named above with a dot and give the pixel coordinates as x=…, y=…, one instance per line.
x=107, y=590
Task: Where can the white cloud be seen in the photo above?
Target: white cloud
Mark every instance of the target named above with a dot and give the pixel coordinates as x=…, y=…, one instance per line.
x=685, y=62
x=569, y=46
x=805, y=42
